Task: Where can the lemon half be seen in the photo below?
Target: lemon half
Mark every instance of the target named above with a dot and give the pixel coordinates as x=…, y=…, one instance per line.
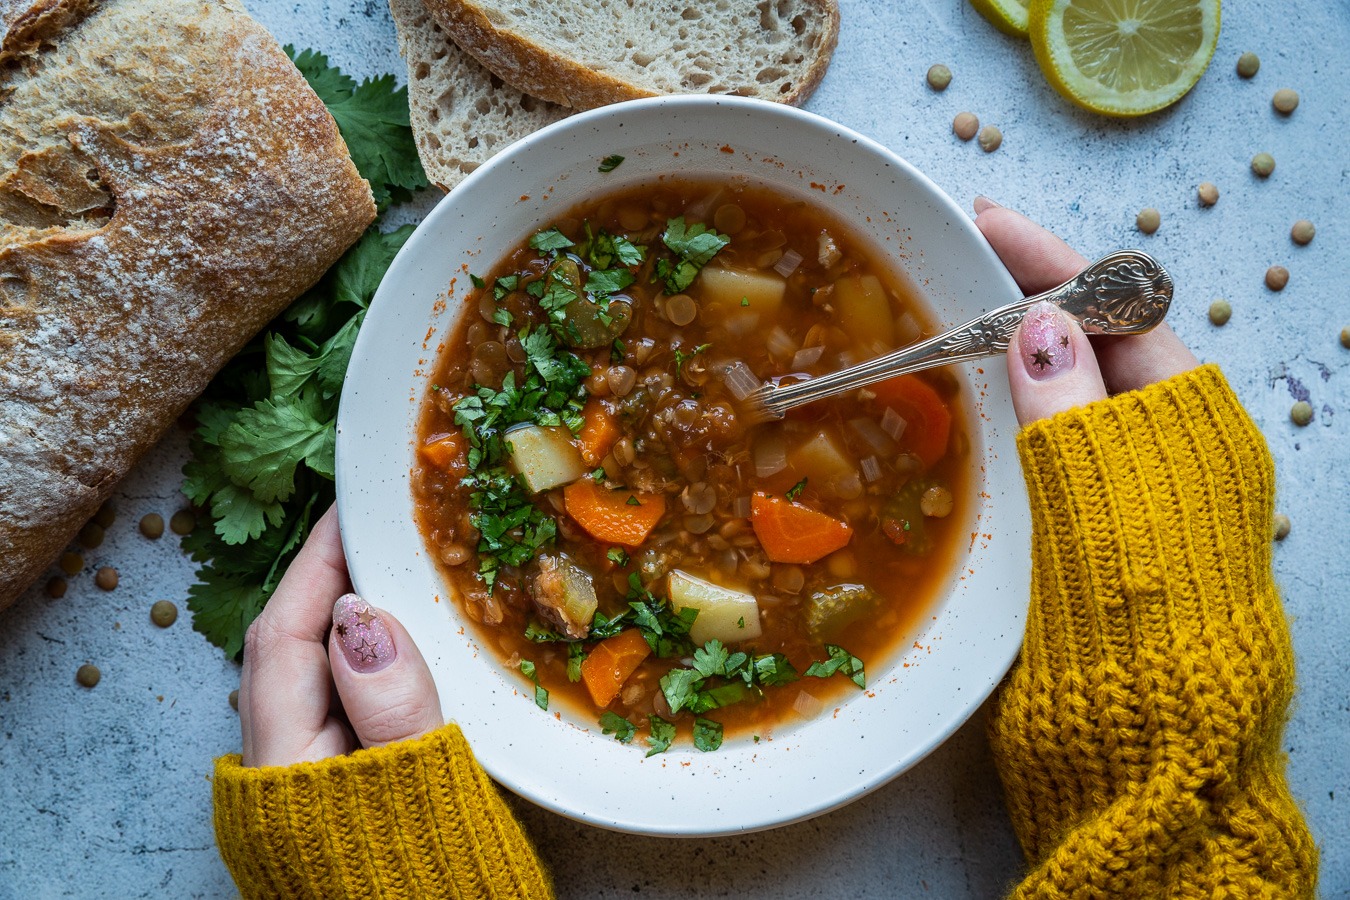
x=1008, y=16
x=1123, y=57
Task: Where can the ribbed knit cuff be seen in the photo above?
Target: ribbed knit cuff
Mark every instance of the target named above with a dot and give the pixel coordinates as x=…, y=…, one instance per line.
x=415, y=819
x=1151, y=515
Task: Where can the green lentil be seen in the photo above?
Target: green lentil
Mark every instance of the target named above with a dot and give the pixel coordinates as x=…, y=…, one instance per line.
x=1301, y=413
x=56, y=588
x=106, y=515
x=1302, y=232
x=91, y=535
x=163, y=613
x=183, y=522
x=1263, y=164
x=1282, y=526
x=1220, y=311
x=1208, y=193
x=1277, y=277
x=72, y=563
x=152, y=526
x=1248, y=65
x=939, y=76
x=1285, y=101
x=1148, y=220
x=990, y=138
x=234, y=699
x=106, y=578
x=965, y=125
x=88, y=675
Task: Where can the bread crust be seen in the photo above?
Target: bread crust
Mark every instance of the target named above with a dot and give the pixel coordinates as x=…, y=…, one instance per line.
x=156, y=211
x=529, y=66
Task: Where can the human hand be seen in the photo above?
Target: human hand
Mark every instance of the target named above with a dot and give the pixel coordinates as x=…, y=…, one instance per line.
x=308, y=693
x=1052, y=364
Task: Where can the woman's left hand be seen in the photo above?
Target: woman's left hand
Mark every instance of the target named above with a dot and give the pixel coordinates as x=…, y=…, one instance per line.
x=326, y=673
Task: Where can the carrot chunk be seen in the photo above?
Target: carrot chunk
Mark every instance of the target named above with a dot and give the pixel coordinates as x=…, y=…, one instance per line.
x=611, y=662
x=928, y=421
x=443, y=451
x=792, y=533
x=599, y=432
x=615, y=517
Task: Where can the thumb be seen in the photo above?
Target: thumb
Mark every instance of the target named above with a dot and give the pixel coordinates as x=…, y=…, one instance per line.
x=385, y=686
x=1051, y=366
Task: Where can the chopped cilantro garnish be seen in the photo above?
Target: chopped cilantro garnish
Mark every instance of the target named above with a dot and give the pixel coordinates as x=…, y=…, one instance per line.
x=477, y=282
x=610, y=163
x=502, y=317
x=617, y=351
x=693, y=246
x=633, y=501
x=840, y=661
x=576, y=655
x=603, y=250
x=707, y=734
x=617, y=555
x=796, y=490
x=681, y=357
x=503, y=286
x=540, y=694
x=662, y=733
x=608, y=281
x=598, y=476
x=550, y=240
x=745, y=301
x=615, y=724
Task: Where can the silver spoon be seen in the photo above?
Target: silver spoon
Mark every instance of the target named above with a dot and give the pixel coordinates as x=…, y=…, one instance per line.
x=1125, y=292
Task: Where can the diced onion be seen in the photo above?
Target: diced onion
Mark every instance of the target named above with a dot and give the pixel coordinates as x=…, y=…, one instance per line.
x=740, y=380
x=892, y=424
x=806, y=357
x=780, y=343
x=740, y=507
x=770, y=453
x=829, y=250
x=807, y=706
x=871, y=469
x=788, y=264
x=875, y=437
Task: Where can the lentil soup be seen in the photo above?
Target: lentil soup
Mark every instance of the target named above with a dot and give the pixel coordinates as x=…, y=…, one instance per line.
x=620, y=534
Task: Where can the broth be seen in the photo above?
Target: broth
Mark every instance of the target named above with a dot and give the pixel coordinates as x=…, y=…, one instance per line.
x=672, y=479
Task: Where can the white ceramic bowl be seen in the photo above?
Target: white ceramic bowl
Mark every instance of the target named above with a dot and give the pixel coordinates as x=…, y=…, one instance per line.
x=914, y=700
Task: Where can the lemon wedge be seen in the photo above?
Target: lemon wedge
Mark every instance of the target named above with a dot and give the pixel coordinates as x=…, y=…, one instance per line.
x=1123, y=57
x=1008, y=16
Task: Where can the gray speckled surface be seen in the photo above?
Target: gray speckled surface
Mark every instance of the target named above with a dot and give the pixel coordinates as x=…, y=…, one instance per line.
x=103, y=792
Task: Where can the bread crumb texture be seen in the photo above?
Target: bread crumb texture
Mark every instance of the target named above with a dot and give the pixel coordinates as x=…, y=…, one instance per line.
x=461, y=113
x=590, y=52
x=168, y=183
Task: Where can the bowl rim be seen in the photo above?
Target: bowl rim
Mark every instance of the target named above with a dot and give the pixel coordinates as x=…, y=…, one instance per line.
x=410, y=258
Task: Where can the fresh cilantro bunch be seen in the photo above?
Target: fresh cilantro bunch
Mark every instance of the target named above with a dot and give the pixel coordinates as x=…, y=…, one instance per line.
x=262, y=454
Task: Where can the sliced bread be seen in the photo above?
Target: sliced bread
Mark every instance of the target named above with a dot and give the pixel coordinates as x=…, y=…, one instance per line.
x=461, y=112
x=587, y=53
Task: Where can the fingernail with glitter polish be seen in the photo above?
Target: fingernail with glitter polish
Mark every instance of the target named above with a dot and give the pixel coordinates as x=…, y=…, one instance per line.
x=364, y=638
x=1044, y=342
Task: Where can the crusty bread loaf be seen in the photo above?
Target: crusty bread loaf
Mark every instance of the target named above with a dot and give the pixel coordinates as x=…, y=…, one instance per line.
x=586, y=53
x=461, y=112
x=168, y=183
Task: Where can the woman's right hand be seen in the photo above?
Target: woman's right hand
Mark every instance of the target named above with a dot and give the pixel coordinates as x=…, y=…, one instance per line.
x=1052, y=364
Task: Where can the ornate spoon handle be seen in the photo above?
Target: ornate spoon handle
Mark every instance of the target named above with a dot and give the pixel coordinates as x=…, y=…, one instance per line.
x=1125, y=292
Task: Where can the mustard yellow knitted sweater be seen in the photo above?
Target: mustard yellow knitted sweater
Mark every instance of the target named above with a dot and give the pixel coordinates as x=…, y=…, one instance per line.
x=1138, y=736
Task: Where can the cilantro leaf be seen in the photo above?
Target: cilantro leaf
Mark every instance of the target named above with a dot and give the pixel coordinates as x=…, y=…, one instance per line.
x=694, y=246
x=549, y=240
x=611, y=162
x=608, y=281
x=223, y=605
x=662, y=733
x=680, y=686
x=374, y=123
x=540, y=694
x=576, y=655
x=602, y=250
x=773, y=669
x=840, y=661
x=707, y=735
x=796, y=490
x=261, y=450
x=327, y=81
x=615, y=724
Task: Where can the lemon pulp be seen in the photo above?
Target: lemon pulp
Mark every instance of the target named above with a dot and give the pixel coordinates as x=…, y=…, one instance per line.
x=1123, y=57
